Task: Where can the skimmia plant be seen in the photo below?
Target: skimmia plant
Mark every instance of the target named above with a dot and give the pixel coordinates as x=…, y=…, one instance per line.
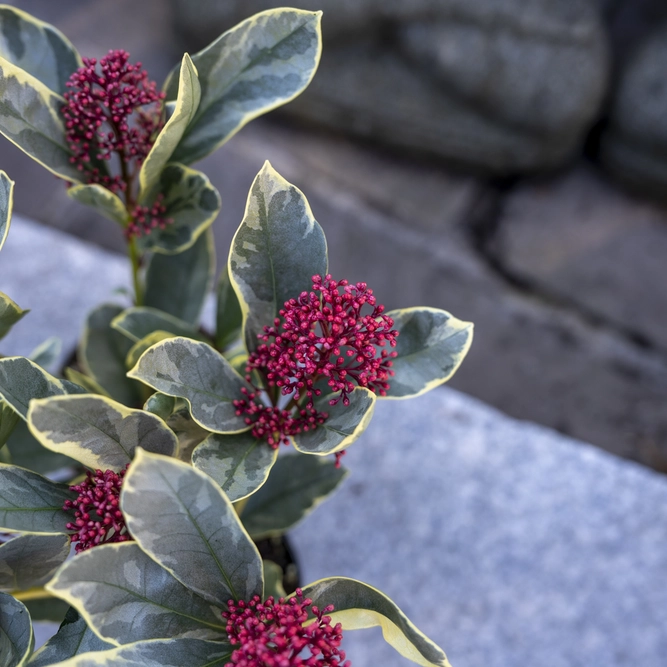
x=157, y=457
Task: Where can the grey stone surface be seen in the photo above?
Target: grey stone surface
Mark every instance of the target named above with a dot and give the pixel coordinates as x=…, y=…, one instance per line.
x=634, y=146
x=498, y=87
x=584, y=242
x=505, y=542
x=59, y=279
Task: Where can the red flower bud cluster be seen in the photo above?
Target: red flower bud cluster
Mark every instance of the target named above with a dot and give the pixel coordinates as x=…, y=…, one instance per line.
x=100, y=117
x=111, y=108
x=98, y=518
x=322, y=338
x=147, y=218
x=275, y=634
x=276, y=424
x=323, y=334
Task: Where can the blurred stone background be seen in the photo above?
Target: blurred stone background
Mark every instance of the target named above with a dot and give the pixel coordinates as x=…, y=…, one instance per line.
x=503, y=159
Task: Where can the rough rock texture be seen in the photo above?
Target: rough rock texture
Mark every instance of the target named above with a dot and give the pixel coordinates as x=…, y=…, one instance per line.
x=498, y=87
x=634, y=146
x=583, y=243
x=506, y=543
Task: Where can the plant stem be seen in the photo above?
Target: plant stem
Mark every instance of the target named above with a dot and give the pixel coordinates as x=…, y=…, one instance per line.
x=135, y=260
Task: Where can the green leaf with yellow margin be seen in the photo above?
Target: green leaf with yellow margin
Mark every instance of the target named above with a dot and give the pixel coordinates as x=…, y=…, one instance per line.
x=140, y=321
x=26, y=452
x=192, y=204
x=296, y=486
x=343, y=425
x=27, y=561
x=196, y=372
x=229, y=318
x=102, y=200
x=73, y=639
x=185, y=107
x=89, y=384
x=38, y=48
x=239, y=463
x=8, y=420
x=46, y=354
x=182, y=519
x=46, y=608
x=125, y=596
x=160, y=405
x=21, y=380
x=275, y=252
x=6, y=204
x=142, y=345
x=358, y=606
x=178, y=284
x=273, y=580
x=157, y=653
x=102, y=353
x=31, y=503
x=30, y=119
x=10, y=314
x=431, y=346
x=187, y=430
x=258, y=65
x=16, y=638
x=97, y=431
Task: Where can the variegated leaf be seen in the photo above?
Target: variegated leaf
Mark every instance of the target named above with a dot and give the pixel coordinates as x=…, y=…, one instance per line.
x=96, y=431
x=102, y=200
x=358, y=605
x=46, y=608
x=142, y=345
x=273, y=580
x=256, y=66
x=178, y=284
x=160, y=405
x=188, y=432
x=8, y=420
x=46, y=354
x=31, y=503
x=229, y=318
x=138, y=322
x=26, y=452
x=27, y=561
x=192, y=204
x=196, y=372
x=158, y=653
x=296, y=486
x=22, y=380
x=89, y=384
x=431, y=346
x=37, y=47
x=29, y=118
x=184, y=109
x=184, y=522
x=125, y=597
x=73, y=638
x=275, y=252
x=6, y=204
x=16, y=638
x=10, y=314
x=239, y=463
x=102, y=354
x=343, y=425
